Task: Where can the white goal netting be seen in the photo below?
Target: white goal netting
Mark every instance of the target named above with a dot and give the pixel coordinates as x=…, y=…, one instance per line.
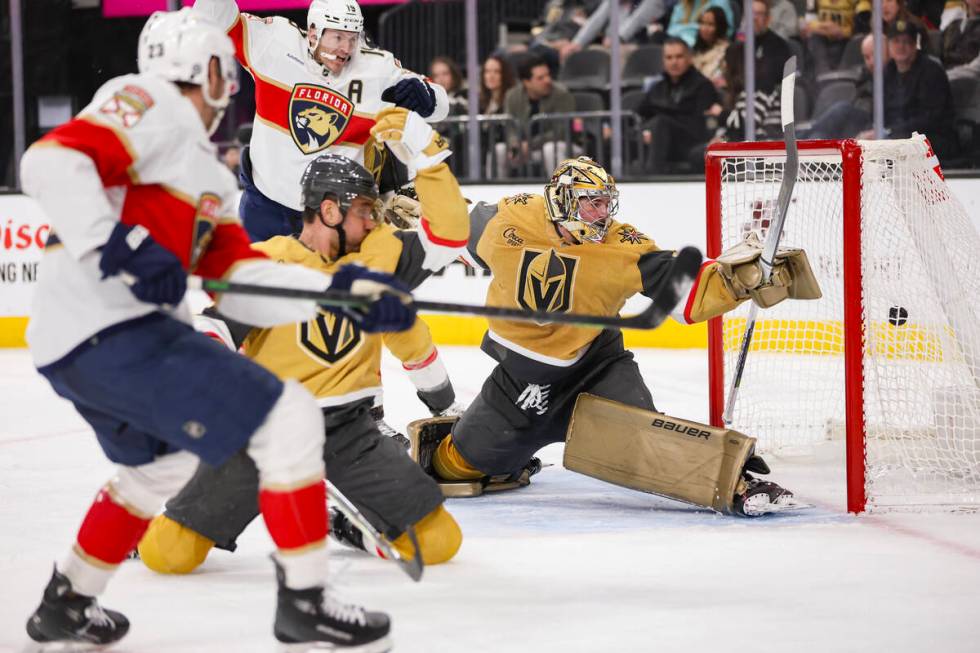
x=919, y=321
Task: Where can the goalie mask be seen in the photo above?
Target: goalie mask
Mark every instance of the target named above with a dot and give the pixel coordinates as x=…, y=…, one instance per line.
x=344, y=20
x=582, y=198
x=336, y=177
x=179, y=46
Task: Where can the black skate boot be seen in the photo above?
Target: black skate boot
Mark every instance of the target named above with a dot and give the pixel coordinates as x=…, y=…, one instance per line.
x=312, y=619
x=67, y=617
x=342, y=530
x=387, y=430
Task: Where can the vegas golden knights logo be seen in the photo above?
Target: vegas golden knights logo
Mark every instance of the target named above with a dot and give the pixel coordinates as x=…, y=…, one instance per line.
x=545, y=281
x=329, y=338
x=317, y=117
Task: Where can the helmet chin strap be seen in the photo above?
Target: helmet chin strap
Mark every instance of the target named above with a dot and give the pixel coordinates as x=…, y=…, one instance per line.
x=341, y=234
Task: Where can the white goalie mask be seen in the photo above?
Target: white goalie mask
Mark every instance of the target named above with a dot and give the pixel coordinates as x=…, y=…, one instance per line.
x=179, y=46
x=340, y=15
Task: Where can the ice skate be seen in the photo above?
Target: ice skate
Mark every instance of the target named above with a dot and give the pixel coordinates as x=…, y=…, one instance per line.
x=760, y=497
x=314, y=620
x=345, y=532
x=387, y=430
x=66, y=621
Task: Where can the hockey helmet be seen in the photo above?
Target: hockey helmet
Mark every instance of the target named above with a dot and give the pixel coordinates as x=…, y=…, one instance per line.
x=336, y=175
x=343, y=15
x=179, y=45
x=574, y=183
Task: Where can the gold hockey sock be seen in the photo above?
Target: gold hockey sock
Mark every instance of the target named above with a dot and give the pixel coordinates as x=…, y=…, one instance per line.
x=439, y=538
x=171, y=548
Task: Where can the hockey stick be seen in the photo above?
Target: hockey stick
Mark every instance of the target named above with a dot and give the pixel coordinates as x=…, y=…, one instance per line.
x=411, y=566
x=672, y=289
x=790, y=169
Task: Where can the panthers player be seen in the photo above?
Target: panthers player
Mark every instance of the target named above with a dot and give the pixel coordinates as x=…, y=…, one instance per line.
x=137, y=199
x=315, y=90
x=565, y=250
x=337, y=362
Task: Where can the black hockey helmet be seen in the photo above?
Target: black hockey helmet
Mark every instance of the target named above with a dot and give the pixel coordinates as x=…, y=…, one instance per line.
x=332, y=174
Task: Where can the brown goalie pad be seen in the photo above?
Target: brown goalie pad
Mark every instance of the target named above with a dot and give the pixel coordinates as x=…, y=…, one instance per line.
x=652, y=452
x=424, y=436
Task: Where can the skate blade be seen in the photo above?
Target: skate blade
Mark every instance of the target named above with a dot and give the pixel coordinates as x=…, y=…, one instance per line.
x=382, y=645
x=782, y=505
x=63, y=647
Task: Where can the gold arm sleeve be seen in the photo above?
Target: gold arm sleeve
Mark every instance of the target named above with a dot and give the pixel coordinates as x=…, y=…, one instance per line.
x=411, y=346
x=443, y=206
x=712, y=296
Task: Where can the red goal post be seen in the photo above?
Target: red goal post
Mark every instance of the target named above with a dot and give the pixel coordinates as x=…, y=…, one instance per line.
x=888, y=359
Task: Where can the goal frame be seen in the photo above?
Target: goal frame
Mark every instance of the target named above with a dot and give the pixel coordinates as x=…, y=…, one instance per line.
x=851, y=160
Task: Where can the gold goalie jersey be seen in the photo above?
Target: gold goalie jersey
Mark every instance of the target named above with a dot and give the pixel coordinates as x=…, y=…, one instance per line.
x=534, y=268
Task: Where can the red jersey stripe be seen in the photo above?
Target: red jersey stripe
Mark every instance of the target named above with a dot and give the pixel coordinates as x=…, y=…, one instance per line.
x=107, y=148
x=445, y=242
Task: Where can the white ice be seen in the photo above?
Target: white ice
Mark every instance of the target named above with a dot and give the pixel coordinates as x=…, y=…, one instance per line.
x=568, y=564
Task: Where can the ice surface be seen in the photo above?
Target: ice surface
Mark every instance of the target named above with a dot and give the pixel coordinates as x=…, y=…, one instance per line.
x=568, y=564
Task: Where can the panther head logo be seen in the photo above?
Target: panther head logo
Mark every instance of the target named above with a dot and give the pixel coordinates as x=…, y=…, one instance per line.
x=318, y=117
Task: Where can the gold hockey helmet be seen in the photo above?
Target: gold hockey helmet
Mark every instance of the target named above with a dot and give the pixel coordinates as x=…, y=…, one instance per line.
x=578, y=182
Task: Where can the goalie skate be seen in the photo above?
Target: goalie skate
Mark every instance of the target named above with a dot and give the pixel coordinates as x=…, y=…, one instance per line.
x=764, y=497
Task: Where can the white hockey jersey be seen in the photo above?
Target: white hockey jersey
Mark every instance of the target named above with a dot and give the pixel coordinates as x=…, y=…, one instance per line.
x=300, y=112
x=139, y=154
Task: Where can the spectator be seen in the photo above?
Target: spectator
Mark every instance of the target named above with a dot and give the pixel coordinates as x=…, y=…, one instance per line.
x=784, y=19
x=709, y=48
x=537, y=94
x=827, y=29
x=675, y=109
x=445, y=72
x=771, y=50
x=684, y=18
x=496, y=78
x=890, y=11
x=634, y=18
x=917, y=93
x=961, y=39
x=846, y=119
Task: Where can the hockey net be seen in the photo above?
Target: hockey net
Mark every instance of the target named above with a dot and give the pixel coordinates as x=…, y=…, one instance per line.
x=889, y=357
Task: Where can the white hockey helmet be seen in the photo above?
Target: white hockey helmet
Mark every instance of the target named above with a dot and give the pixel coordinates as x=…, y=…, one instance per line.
x=334, y=14
x=179, y=45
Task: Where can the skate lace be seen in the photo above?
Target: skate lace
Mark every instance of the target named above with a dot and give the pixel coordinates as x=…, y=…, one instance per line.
x=97, y=617
x=386, y=429
x=455, y=409
x=341, y=611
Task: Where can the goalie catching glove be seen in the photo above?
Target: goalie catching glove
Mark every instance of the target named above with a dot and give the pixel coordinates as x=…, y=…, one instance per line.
x=410, y=139
x=740, y=268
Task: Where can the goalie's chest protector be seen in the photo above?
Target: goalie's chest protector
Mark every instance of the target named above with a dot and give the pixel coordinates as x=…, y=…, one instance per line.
x=300, y=113
x=330, y=355
x=533, y=268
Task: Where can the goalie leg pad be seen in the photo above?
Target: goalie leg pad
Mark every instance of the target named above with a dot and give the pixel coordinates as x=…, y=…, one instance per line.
x=439, y=538
x=652, y=452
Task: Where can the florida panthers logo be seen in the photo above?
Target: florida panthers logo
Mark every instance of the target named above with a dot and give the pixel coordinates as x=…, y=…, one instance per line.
x=317, y=117
x=329, y=338
x=545, y=281
x=205, y=220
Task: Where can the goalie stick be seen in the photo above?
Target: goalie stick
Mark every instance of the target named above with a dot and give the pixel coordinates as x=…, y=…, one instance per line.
x=372, y=538
x=790, y=169
x=671, y=291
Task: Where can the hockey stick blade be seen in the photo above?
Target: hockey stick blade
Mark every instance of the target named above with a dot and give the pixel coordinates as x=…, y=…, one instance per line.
x=413, y=567
x=682, y=272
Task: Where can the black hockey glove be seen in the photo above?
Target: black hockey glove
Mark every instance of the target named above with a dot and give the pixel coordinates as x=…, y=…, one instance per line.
x=153, y=274
x=413, y=94
x=391, y=308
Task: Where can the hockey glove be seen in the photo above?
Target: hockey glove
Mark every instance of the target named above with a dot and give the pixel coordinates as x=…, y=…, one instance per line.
x=153, y=274
x=391, y=308
x=413, y=94
x=410, y=139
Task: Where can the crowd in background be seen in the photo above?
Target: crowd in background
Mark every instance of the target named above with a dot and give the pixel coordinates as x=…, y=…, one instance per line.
x=695, y=93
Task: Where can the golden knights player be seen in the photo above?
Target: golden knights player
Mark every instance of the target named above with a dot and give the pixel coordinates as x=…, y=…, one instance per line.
x=337, y=363
x=565, y=252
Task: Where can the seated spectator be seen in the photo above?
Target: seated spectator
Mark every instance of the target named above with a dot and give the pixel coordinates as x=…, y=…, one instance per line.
x=634, y=18
x=496, y=78
x=709, y=48
x=917, y=93
x=445, y=72
x=537, y=93
x=961, y=39
x=890, y=11
x=771, y=50
x=847, y=119
x=684, y=18
x=971, y=70
x=827, y=30
x=557, y=34
x=675, y=109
